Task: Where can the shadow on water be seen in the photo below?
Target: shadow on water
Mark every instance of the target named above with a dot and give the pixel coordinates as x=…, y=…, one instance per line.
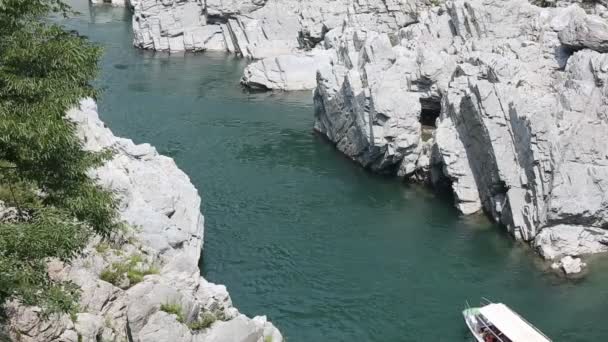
x=296, y=231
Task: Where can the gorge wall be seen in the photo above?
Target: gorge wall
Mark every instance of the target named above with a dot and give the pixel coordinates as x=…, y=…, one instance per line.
x=503, y=102
x=162, y=243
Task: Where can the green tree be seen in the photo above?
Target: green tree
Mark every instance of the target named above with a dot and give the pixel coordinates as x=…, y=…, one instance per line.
x=44, y=71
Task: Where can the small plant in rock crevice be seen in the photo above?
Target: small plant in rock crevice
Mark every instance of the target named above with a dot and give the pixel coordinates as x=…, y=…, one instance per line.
x=131, y=270
x=204, y=322
x=173, y=309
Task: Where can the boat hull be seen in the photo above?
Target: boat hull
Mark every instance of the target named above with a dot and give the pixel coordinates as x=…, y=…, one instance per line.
x=472, y=324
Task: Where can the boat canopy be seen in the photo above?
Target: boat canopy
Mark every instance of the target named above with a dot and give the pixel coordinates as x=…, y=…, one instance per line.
x=511, y=324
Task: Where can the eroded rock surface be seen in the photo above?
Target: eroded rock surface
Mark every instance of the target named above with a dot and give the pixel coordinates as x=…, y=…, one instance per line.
x=162, y=209
x=519, y=93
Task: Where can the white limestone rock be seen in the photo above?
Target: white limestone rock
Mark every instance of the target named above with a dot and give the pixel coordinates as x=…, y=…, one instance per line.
x=558, y=241
x=586, y=31
x=25, y=322
x=88, y=326
x=449, y=157
x=286, y=72
x=571, y=265
x=163, y=208
x=169, y=25
x=260, y=29
x=162, y=326
x=521, y=120
x=238, y=329
x=222, y=8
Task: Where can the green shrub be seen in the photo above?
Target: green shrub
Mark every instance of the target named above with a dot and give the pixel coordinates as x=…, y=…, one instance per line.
x=130, y=269
x=173, y=309
x=103, y=247
x=204, y=322
x=111, y=275
x=44, y=71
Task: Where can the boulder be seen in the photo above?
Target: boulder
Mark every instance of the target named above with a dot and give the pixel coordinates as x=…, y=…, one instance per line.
x=88, y=326
x=556, y=242
x=286, y=72
x=571, y=265
x=28, y=324
x=586, y=32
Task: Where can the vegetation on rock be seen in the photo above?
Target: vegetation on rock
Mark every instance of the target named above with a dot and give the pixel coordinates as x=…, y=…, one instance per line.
x=207, y=318
x=134, y=270
x=44, y=71
x=173, y=309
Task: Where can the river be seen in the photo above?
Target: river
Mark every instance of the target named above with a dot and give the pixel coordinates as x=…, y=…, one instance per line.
x=296, y=231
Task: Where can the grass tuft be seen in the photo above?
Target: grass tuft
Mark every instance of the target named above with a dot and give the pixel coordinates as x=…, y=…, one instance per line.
x=131, y=270
x=173, y=309
x=204, y=322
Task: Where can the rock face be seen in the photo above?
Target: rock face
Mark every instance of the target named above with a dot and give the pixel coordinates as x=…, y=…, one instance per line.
x=164, y=244
x=502, y=101
x=281, y=33
x=286, y=72
x=518, y=96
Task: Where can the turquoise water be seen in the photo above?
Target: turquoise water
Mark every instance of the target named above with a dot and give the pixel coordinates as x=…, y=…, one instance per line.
x=327, y=250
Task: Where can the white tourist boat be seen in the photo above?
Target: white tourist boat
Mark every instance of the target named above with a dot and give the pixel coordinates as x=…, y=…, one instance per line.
x=496, y=322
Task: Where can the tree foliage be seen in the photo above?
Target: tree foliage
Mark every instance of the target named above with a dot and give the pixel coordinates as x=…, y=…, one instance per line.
x=44, y=71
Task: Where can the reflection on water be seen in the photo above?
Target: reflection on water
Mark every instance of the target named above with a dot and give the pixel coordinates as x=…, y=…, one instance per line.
x=298, y=232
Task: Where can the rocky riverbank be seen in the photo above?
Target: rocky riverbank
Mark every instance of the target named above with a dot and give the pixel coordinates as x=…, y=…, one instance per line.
x=144, y=284
x=503, y=102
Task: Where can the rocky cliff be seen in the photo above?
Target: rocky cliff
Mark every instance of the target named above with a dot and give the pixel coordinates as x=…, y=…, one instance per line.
x=514, y=95
x=143, y=285
x=503, y=102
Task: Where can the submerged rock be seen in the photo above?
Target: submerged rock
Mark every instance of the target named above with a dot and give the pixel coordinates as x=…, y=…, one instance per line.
x=163, y=208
